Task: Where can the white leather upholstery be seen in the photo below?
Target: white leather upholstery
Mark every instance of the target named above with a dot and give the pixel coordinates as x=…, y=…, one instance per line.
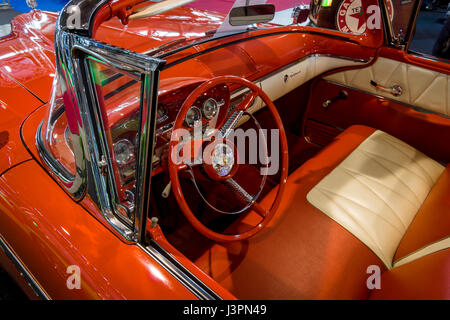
x=427, y=89
x=293, y=76
x=376, y=191
x=290, y=78
x=434, y=247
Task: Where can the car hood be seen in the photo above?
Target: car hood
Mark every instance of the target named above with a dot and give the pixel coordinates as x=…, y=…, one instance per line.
x=27, y=54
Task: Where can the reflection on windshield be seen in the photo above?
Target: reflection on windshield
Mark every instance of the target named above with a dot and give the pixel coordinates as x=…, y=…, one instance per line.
x=204, y=20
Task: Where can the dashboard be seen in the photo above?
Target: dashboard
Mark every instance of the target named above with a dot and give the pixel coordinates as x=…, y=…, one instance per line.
x=213, y=104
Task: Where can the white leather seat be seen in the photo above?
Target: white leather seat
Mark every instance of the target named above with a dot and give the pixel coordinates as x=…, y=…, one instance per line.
x=376, y=192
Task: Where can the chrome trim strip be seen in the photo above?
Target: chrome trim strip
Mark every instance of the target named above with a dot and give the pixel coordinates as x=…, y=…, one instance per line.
x=412, y=24
x=418, y=109
x=50, y=161
x=23, y=271
x=178, y=271
x=72, y=48
x=329, y=55
x=146, y=149
x=314, y=55
x=427, y=56
x=388, y=29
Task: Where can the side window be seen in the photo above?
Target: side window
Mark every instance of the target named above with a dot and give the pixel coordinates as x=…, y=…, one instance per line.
x=432, y=32
x=118, y=98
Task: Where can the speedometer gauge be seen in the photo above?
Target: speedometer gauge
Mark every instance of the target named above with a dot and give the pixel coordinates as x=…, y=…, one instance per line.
x=193, y=115
x=210, y=108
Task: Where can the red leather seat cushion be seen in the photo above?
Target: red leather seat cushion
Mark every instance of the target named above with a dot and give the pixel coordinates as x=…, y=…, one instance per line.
x=425, y=278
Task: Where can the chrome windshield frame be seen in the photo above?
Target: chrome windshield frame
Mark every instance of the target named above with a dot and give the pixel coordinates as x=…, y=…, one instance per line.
x=393, y=39
x=72, y=48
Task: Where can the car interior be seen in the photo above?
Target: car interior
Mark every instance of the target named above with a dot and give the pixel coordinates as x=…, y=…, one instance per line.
x=368, y=181
x=368, y=184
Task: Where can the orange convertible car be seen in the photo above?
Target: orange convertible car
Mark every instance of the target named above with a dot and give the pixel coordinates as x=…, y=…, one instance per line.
x=225, y=149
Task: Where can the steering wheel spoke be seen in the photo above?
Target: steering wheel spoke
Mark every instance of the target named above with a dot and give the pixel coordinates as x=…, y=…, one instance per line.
x=231, y=122
x=237, y=114
x=246, y=197
x=248, y=101
x=259, y=209
x=241, y=192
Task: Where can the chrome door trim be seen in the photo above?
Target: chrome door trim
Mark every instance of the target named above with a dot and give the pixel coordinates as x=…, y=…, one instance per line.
x=23, y=271
x=427, y=57
x=418, y=109
x=179, y=272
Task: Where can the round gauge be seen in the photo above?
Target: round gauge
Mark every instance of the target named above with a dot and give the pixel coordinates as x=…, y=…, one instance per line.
x=124, y=151
x=210, y=108
x=193, y=115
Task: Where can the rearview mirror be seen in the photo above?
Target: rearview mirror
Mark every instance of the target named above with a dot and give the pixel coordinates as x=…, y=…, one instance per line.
x=301, y=14
x=260, y=13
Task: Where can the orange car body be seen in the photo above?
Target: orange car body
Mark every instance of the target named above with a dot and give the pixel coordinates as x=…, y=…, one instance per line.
x=42, y=225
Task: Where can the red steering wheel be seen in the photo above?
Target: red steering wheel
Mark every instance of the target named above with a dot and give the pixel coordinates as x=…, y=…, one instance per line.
x=228, y=166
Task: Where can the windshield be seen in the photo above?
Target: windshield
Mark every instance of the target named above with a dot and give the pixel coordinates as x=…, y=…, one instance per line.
x=195, y=22
x=286, y=13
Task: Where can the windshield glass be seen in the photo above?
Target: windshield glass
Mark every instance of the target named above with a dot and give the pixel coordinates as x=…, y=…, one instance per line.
x=195, y=22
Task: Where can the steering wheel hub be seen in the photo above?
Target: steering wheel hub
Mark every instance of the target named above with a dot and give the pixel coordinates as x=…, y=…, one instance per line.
x=222, y=159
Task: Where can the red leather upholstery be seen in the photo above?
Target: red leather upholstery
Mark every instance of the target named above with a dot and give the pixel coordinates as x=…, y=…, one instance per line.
x=425, y=278
x=303, y=254
x=432, y=221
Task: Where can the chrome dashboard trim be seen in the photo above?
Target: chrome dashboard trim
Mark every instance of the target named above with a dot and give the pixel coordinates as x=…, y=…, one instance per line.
x=23, y=271
x=329, y=55
x=314, y=55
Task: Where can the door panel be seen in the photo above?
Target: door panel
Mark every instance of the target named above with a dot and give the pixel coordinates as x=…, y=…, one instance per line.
x=426, y=132
x=423, y=88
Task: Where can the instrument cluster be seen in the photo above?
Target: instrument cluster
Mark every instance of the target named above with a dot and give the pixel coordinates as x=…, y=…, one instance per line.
x=212, y=104
x=206, y=109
